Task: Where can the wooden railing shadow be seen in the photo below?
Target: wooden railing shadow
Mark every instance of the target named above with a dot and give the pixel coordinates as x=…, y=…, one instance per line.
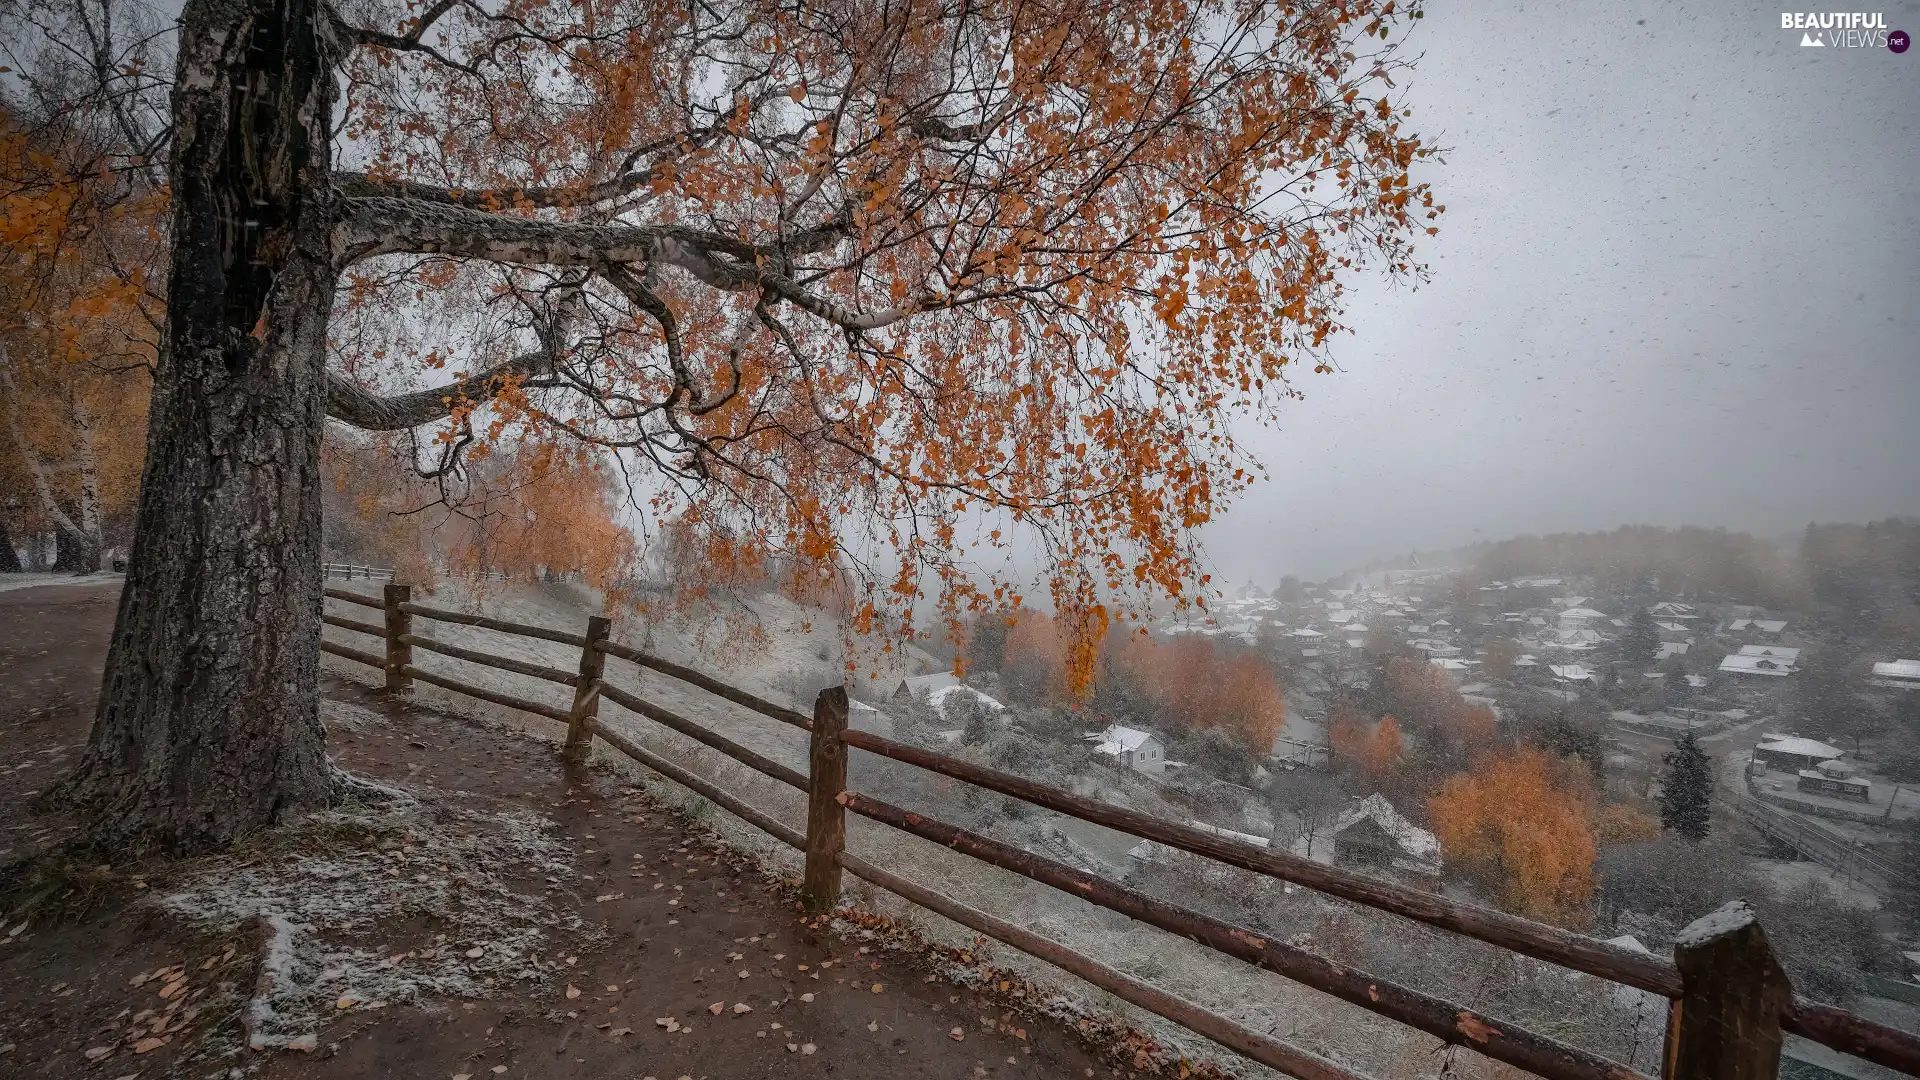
x=1729, y=1000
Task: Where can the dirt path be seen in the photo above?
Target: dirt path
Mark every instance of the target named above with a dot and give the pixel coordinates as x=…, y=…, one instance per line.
x=680, y=924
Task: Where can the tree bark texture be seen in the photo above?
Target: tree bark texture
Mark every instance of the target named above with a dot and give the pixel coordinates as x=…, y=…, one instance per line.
x=208, y=723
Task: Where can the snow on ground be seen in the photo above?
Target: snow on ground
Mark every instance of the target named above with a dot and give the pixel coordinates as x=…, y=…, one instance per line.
x=9, y=582
x=338, y=881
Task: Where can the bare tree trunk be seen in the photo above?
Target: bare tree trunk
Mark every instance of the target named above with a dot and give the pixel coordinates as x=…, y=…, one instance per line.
x=208, y=725
x=37, y=470
x=9, y=557
x=72, y=554
x=88, y=464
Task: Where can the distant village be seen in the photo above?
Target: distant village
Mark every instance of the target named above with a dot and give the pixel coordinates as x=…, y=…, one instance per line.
x=1621, y=681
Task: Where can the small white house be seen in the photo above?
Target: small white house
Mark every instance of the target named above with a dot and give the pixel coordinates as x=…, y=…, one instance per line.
x=1575, y=618
x=1570, y=672
x=1141, y=751
x=1771, y=660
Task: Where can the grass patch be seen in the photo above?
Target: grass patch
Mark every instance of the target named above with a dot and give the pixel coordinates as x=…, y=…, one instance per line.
x=321, y=834
x=60, y=886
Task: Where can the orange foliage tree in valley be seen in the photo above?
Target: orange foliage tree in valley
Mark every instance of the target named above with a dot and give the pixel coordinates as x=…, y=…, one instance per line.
x=1524, y=823
x=1375, y=748
x=1188, y=685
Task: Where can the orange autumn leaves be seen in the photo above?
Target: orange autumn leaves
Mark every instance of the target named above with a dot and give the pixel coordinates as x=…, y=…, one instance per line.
x=1187, y=682
x=982, y=205
x=1524, y=823
x=1374, y=747
x=1420, y=705
x=524, y=515
x=1195, y=687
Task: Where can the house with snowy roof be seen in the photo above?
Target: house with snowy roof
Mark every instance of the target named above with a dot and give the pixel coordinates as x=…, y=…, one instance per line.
x=1776, y=661
x=1574, y=618
x=1371, y=834
x=917, y=687
x=1794, y=752
x=1141, y=751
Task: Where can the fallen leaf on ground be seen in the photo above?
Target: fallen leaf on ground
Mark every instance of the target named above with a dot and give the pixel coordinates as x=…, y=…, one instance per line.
x=806, y=997
x=145, y=1045
x=743, y=973
x=97, y=1052
x=807, y=1048
x=957, y=1035
x=879, y=988
x=498, y=1069
x=716, y=1007
x=462, y=1076
x=873, y=1025
x=741, y=1008
x=572, y=991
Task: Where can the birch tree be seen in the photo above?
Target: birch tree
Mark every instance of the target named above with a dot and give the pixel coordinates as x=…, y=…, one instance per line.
x=844, y=281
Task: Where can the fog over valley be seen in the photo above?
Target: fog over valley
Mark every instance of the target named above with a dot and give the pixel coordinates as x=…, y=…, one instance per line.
x=1676, y=283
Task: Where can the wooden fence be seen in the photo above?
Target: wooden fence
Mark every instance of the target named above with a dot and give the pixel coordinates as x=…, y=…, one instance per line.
x=1730, y=1002
x=349, y=571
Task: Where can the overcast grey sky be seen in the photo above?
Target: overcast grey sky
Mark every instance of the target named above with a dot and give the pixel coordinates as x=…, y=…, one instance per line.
x=1678, y=282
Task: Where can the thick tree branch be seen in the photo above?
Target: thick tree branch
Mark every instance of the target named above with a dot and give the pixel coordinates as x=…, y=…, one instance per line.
x=385, y=226
x=350, y=404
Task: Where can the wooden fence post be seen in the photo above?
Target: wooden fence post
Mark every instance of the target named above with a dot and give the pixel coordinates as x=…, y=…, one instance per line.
x=399, y=653
x=826, y=818
x=586, y=702
x=1725, y=1025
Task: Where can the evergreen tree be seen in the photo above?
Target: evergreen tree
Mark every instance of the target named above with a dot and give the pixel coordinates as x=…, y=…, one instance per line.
x=1641, y=645
x=1686, y=795
x=1677, y=687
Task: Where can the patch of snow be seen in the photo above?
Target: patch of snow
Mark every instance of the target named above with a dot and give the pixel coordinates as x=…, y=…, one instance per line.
x=330, y=905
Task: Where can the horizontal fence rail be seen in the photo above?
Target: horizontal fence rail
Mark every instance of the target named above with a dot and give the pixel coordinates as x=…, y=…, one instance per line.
x=1262, y=1048
x=1538, y=940
x=1442, y=1019
x=707, y=683
x=1714, y=997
